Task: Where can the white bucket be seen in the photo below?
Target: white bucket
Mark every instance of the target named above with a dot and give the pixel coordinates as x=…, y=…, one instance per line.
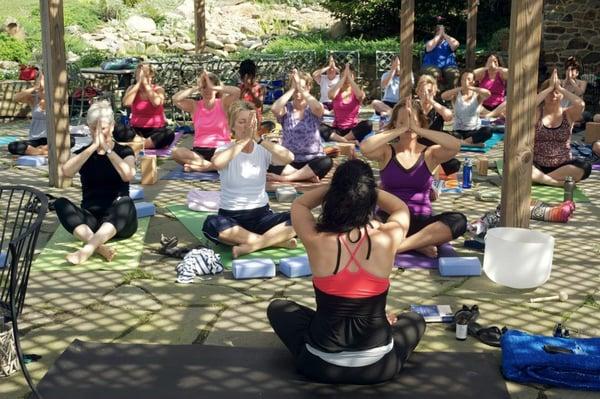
x=518, y=258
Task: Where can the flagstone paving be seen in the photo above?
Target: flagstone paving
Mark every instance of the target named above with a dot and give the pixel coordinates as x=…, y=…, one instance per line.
x=145, y=305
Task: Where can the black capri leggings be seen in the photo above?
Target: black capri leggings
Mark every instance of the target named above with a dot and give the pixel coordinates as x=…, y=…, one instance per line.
x=121, y=214
x=319, y=165
x=160, y=136
x=456, y=222
x=291, y=322
x=480, y=135
x=359, y=131
x=20, y=147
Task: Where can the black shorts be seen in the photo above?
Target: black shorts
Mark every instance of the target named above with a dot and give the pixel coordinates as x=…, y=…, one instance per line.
x=205, y=152
x=578, y=162
x=320, y=166
x=390, y=104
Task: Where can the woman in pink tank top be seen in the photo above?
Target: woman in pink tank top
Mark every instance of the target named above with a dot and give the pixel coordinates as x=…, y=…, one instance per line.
x=209, y=116
x=493, y=77
x=147, y=111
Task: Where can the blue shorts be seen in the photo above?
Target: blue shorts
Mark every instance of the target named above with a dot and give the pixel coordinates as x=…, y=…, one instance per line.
x=258, y=220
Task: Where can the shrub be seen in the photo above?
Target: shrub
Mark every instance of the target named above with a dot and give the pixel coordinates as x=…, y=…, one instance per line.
x=12, y=49
x=110, y=9
x=499, y=40
x=92, y=58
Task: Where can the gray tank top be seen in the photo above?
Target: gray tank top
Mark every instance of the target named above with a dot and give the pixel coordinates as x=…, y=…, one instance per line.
x=466, y=114
x=37, y=130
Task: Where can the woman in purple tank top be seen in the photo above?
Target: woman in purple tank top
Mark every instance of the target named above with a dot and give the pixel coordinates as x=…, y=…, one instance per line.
x=406, y=171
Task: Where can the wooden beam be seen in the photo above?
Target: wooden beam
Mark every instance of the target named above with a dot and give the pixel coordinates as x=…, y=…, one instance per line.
x=55, y=74
x=407, y=28
x=524, y=52
x=472, y=33
x=200, y=20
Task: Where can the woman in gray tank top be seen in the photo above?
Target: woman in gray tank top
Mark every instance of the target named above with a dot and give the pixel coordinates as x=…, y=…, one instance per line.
x=466, y=102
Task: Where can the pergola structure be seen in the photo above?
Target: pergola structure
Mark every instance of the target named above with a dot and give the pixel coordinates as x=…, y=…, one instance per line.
x=525, y=37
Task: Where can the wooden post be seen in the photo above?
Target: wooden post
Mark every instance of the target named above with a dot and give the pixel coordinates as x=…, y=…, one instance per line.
x=200, y=20
x=472, y=33
x=55, y=80
x=524, y=52
x=407, y=27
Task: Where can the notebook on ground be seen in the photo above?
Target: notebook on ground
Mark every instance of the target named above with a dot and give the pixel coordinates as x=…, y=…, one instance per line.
x=193, y=221
x=124, y=371
x=129, y=252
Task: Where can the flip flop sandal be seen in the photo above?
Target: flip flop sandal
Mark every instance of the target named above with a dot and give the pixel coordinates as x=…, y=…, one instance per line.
x=489, y=335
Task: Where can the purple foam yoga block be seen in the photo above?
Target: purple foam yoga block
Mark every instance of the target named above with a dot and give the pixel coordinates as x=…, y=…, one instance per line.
x=253, y=268
x=296, y=266
x=145, y=209
x=32, y=160
x=460, y=266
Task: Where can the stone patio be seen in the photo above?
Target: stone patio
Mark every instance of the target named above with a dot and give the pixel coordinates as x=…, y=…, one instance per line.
x=146, y=306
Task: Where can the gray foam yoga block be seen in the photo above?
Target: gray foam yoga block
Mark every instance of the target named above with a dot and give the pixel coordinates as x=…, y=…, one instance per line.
x=253, y=268
x=285, y=194
x=136, y=192
x=460, y=266
x=32, y=160
x=296, y=266
x=145, y=209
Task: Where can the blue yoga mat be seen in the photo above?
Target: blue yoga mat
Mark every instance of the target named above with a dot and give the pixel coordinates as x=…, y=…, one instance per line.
x=5, y=140
x=495, y=139
x=179, y=174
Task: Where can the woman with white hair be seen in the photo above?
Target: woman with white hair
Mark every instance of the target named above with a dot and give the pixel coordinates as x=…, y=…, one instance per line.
x=106, y=168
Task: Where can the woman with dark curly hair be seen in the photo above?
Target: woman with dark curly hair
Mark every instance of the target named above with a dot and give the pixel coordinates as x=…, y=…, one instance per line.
x=406, y=171
x=349, y=338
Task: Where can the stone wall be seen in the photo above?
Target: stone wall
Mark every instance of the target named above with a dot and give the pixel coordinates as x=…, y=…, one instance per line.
x=571, y=29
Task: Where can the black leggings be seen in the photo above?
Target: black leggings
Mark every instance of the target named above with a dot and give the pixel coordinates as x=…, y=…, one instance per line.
x=359, y=131
x=121, y=214
x=456, y=222
x=160, y=136
x=480, y=135
x=291, y=322
x=450, y=167
x=20, y=147
x=319, y=165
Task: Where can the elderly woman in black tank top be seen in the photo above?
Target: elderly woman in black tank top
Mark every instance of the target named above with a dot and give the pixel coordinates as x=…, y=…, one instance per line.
x=349, y=338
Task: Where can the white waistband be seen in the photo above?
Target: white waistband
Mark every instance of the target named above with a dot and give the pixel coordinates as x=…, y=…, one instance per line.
x=353, y=358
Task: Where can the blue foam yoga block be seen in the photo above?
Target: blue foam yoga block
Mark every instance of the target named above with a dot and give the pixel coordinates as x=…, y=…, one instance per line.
x=296, y=266
x=136, y=193
x=2, y=259
x=460, y=266
x=145, y=209
x=32, y=160
x=253, y=268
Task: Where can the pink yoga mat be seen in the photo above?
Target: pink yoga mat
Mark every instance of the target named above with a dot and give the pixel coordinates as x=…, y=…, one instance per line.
x=416, y=260
x=164, y=152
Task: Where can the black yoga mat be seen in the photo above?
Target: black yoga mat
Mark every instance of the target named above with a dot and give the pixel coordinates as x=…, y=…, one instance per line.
x=121, y=371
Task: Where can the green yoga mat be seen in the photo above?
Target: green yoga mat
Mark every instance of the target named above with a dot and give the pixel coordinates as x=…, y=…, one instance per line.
x=548, y=194
x=194, y=220
x=129, y=252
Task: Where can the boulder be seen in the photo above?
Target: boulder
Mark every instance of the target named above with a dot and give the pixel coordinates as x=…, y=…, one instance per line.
x=217, y=52
x=252, y=30
x=137, y=23
x=186, y=9
x=153, y=39
x=134, y=47
x=72, y=57
x=185, y=46
x=230, y=48
x=214, y=43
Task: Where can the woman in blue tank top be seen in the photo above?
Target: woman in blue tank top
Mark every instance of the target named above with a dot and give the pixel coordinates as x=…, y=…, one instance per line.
x=406, y=171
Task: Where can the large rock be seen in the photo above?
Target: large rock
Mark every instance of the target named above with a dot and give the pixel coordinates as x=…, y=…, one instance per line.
x=134, y=47
x=339, y=30
x=214, y=43
x=153, y=39
x=137, y=23
x=217, y=52
x=230, y=48
x=185, y=46
x=186, y=9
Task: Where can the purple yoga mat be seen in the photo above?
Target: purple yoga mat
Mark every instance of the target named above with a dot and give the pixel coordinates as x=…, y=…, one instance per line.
x=415, y=260
x=596, y=166
x=164, y=152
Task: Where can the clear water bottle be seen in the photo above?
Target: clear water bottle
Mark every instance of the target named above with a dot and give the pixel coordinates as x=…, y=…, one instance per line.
x=569, y=188
x=467, y=173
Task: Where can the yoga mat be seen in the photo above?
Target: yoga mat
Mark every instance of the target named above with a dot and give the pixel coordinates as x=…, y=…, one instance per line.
x=179, y=174
x=193, y=221
x=123, y=371
x=5, y=140
x=129, y=252
x=165, y=152
x=596, y=166
x=549, y=194
x=496, y=137
x=416, y=260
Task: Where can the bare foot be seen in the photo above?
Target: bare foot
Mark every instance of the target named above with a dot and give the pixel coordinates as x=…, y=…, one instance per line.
x=190, y=167
x=239, y=250
x=392, y=318
x=106, y=252
x=78, y=257
x=274, y=177
x=291, y=244
x=430, y=251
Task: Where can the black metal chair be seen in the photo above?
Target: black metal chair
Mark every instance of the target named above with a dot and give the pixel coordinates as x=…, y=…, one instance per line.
x=22, y=211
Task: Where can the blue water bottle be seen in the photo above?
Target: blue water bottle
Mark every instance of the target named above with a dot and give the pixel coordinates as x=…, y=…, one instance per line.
x=467, y=173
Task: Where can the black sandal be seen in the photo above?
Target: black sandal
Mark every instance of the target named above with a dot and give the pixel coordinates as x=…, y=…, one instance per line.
x=489, y=335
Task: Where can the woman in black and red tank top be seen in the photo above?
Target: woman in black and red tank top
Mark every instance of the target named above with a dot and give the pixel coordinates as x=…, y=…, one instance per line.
x=349, y=338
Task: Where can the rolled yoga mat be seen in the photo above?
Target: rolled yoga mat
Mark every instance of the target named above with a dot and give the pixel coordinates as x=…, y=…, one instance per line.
x=193, y=221
x=124, y=371
x=129, y=252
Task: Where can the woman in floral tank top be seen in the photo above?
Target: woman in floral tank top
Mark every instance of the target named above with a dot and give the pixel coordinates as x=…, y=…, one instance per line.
x=552, y=159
